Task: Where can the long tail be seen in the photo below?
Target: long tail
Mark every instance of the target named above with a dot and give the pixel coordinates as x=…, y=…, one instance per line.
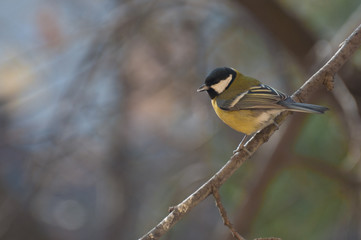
x=303, y=107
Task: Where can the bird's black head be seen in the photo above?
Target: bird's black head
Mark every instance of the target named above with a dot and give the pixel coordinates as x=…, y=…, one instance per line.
x=218, y=81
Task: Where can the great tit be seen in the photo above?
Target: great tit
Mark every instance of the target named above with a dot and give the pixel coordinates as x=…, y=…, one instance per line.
x=247, y=105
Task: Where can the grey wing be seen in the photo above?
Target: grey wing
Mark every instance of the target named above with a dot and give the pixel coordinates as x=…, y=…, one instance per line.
x=257, y=97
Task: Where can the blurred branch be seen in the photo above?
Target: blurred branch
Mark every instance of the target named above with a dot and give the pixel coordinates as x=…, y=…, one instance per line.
x=293, y=35
x=330, y=171
x=271, y=238
x=348, y=182
x=323, y=76
x=353, y=121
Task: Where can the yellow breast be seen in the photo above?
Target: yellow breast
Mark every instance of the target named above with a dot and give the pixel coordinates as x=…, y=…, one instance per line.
x=246, y=121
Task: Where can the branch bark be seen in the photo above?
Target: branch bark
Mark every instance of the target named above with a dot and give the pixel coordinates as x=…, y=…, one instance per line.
x=323, y=77
x=250, y=207
x=224, y=216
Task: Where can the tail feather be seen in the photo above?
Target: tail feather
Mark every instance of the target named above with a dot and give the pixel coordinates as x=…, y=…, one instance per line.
x=303, y=107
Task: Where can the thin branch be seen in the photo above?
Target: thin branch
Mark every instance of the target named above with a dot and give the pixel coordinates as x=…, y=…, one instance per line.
x=272, y=164
x=224, y=216
x=324, y=76
x=280, y=157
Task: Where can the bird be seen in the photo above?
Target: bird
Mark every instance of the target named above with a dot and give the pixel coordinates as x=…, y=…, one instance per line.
x=247, y=105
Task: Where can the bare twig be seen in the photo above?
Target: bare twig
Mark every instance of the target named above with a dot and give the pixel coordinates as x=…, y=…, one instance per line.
x=264, y=174
x=223, y=213
x=314, y=83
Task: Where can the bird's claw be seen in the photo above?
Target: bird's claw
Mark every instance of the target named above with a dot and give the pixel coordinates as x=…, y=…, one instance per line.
x=240, y=148
x=276, y=124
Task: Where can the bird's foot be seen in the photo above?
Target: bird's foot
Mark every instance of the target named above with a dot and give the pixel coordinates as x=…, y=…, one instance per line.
x=240, y=148
x=276, y=124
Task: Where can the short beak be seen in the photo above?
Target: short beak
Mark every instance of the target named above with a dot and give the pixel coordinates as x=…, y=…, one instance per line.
x=202, y=88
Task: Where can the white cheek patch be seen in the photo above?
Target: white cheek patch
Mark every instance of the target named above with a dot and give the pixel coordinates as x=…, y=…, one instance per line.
x=222, y=85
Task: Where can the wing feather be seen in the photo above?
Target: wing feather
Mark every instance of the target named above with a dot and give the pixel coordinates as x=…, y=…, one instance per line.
x=257, y=97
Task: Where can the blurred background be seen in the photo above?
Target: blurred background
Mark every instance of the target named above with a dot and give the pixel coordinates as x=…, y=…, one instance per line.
x=101, y=128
